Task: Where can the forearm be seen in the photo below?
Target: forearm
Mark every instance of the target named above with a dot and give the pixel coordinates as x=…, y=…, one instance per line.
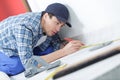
x=69, y=48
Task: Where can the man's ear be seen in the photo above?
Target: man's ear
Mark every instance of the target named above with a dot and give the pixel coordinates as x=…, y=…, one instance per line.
x=45, y=15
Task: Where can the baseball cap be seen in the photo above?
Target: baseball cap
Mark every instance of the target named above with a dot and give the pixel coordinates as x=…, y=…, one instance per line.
x=60, y=11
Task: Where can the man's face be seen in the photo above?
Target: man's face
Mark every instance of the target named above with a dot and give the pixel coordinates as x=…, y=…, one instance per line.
x=51, y=25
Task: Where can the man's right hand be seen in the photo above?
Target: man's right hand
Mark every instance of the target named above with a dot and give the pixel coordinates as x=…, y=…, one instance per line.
x=72, y=46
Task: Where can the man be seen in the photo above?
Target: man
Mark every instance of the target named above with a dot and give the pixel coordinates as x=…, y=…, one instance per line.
x=19, y=36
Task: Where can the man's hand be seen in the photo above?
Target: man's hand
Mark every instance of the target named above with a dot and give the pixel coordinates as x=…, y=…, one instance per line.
x=72, y=46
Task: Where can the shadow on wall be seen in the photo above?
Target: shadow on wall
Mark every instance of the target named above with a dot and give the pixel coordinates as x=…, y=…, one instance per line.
x=77, y=26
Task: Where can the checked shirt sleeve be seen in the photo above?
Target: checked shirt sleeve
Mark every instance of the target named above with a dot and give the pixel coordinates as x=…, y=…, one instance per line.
x=24, y=44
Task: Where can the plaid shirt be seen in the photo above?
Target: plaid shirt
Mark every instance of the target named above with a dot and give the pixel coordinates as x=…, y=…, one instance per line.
x=19, y=35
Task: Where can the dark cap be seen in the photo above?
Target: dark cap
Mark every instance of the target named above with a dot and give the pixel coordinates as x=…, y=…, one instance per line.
x=60, y=11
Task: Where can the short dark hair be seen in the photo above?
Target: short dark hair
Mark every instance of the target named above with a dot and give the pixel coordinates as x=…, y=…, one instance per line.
x=49, y=14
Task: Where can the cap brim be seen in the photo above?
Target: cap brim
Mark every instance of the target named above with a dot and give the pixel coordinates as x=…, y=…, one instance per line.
x=68, y=24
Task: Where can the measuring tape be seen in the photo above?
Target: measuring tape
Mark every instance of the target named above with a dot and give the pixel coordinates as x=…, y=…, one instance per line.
x=99, y=44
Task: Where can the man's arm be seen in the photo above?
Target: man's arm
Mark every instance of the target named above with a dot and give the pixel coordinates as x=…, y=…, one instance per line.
x=69, y=48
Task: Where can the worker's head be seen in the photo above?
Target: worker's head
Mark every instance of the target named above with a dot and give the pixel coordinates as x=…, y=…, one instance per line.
x=54, y=17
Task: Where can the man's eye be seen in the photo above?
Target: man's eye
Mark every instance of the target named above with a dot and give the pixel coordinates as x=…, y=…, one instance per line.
x=57, y=23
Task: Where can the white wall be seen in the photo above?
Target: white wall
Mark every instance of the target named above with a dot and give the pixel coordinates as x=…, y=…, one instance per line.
x=85, y=15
